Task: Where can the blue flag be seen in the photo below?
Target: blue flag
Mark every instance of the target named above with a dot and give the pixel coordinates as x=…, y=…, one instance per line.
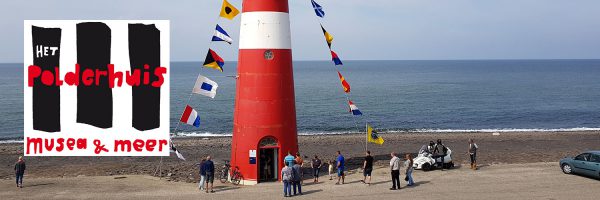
x=318, y=9
x=221, y=35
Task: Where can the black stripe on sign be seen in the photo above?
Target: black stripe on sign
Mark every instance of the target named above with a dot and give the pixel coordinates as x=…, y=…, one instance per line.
x=46, y=99
x=144, y=49
x=94, y=102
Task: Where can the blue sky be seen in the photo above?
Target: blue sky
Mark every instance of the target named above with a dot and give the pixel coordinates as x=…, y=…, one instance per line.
x=363, y=29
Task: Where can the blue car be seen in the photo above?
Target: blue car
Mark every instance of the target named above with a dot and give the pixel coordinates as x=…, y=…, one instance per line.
x=587, y=163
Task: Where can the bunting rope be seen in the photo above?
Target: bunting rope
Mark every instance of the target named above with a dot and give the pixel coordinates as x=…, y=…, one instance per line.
x=346, y=86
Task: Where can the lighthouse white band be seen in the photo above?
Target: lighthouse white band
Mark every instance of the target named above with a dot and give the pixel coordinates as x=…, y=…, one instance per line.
x=265, y=30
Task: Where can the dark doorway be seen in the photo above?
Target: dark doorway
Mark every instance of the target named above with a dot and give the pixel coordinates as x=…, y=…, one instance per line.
x=268, y=165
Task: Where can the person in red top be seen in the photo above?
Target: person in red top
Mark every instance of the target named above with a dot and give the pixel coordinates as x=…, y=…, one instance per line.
x=19, y=171
x=300, y=162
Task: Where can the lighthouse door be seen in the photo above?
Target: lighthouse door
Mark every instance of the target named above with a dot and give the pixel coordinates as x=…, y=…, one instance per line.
x=268, y=160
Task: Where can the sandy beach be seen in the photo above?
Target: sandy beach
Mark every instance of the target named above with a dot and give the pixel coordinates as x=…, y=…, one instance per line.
x=507, y=148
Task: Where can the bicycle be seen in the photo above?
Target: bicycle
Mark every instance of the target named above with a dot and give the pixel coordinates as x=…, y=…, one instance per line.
x=236, y=176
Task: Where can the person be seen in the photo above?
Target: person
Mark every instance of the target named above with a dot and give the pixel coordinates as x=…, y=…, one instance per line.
x=297, y=178
x=268, y=167
x=473, y=154
x=286, y=178
x=202, y=174
x=431, y=147
x=298, y=159
x=20, y=171
x=367, y=168
x=209, y=169
x=409, y=169
x=331, y=169
x=395, y=168
x=289, y=159
x=316, y=166
x=440, y=152
x=340, y=168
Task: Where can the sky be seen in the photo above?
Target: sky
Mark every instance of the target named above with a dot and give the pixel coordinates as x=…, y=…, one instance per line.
x=362, y=29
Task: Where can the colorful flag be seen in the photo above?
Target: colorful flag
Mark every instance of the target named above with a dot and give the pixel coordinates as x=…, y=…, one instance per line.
x=228, y=11
x=318, y=9
x=354, y=108
x=190, y=116
x=335, y=58
x=328, y=37
x=205, y=86
x=372, y=136
x=344, y=83
x=214, y=61
x=221, y=35
x=173, y=149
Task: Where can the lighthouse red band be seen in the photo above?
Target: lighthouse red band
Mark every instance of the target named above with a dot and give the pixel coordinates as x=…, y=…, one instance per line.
x=264, y=126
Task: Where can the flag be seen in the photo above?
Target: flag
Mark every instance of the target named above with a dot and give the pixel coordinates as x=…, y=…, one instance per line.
x=190, y=116
x=221, y=35
x=318, y=9
x=335, y=58
x=228, y=11
x=214, y=61
x=173, y=149
x=354, y=109
x=205, y=86
x=344, y=83
x=372, y=136
x=328, y=37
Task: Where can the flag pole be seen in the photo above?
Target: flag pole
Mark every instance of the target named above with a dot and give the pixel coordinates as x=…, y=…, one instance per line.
x=367, y=136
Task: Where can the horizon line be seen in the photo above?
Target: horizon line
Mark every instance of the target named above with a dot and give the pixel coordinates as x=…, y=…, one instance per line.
x=479, y=59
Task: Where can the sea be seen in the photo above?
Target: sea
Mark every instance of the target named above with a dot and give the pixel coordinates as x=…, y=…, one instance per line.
x=394, y=96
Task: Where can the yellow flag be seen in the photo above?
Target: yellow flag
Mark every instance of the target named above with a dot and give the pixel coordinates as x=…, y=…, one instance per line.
x=228, y=11
x=372, y=136
x=328, y=37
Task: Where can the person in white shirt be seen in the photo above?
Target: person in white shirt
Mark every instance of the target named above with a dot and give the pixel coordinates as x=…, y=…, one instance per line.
x=395, y=168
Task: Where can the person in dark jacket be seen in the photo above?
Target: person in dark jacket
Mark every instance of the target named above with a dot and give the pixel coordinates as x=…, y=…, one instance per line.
x=19, y=171
x=209, y=170
x=440, y=152
x=297, y=178
x=202, y=174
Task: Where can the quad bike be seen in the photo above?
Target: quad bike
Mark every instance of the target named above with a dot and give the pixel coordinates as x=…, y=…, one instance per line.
x=426, y=162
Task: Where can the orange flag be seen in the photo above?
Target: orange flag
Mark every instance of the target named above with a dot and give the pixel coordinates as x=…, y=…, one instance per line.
x=344, y=83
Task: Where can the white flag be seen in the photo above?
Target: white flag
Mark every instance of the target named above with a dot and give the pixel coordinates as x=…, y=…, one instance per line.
x=205, y=86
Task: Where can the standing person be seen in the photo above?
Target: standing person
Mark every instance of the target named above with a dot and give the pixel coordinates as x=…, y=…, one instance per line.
x=367, y=168
x=440, y=152
x=20, y=171
x=316, y=166
x=297, y=178
x=202, y=174
x=340, y=167
x=286, y=178
x=473, y=154
x=395, y=168
x=209, y=169
x=331, y=169
x=409, y=169
x=298, y=159
x=268, y=164
x=289, y=159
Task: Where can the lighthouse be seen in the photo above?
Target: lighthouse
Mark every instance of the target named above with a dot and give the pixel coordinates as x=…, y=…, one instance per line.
x=264, y=122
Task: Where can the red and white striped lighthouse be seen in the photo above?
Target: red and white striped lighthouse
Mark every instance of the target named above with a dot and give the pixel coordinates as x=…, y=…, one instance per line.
x=264, y=125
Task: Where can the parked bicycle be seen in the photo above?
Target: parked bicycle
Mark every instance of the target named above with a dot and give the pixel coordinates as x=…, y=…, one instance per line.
x=236, y=176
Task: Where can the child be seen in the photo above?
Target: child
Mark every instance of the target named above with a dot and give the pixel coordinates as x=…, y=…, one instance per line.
x=331, y=170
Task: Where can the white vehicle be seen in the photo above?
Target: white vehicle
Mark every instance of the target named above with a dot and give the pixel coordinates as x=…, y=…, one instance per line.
x=426, y=162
